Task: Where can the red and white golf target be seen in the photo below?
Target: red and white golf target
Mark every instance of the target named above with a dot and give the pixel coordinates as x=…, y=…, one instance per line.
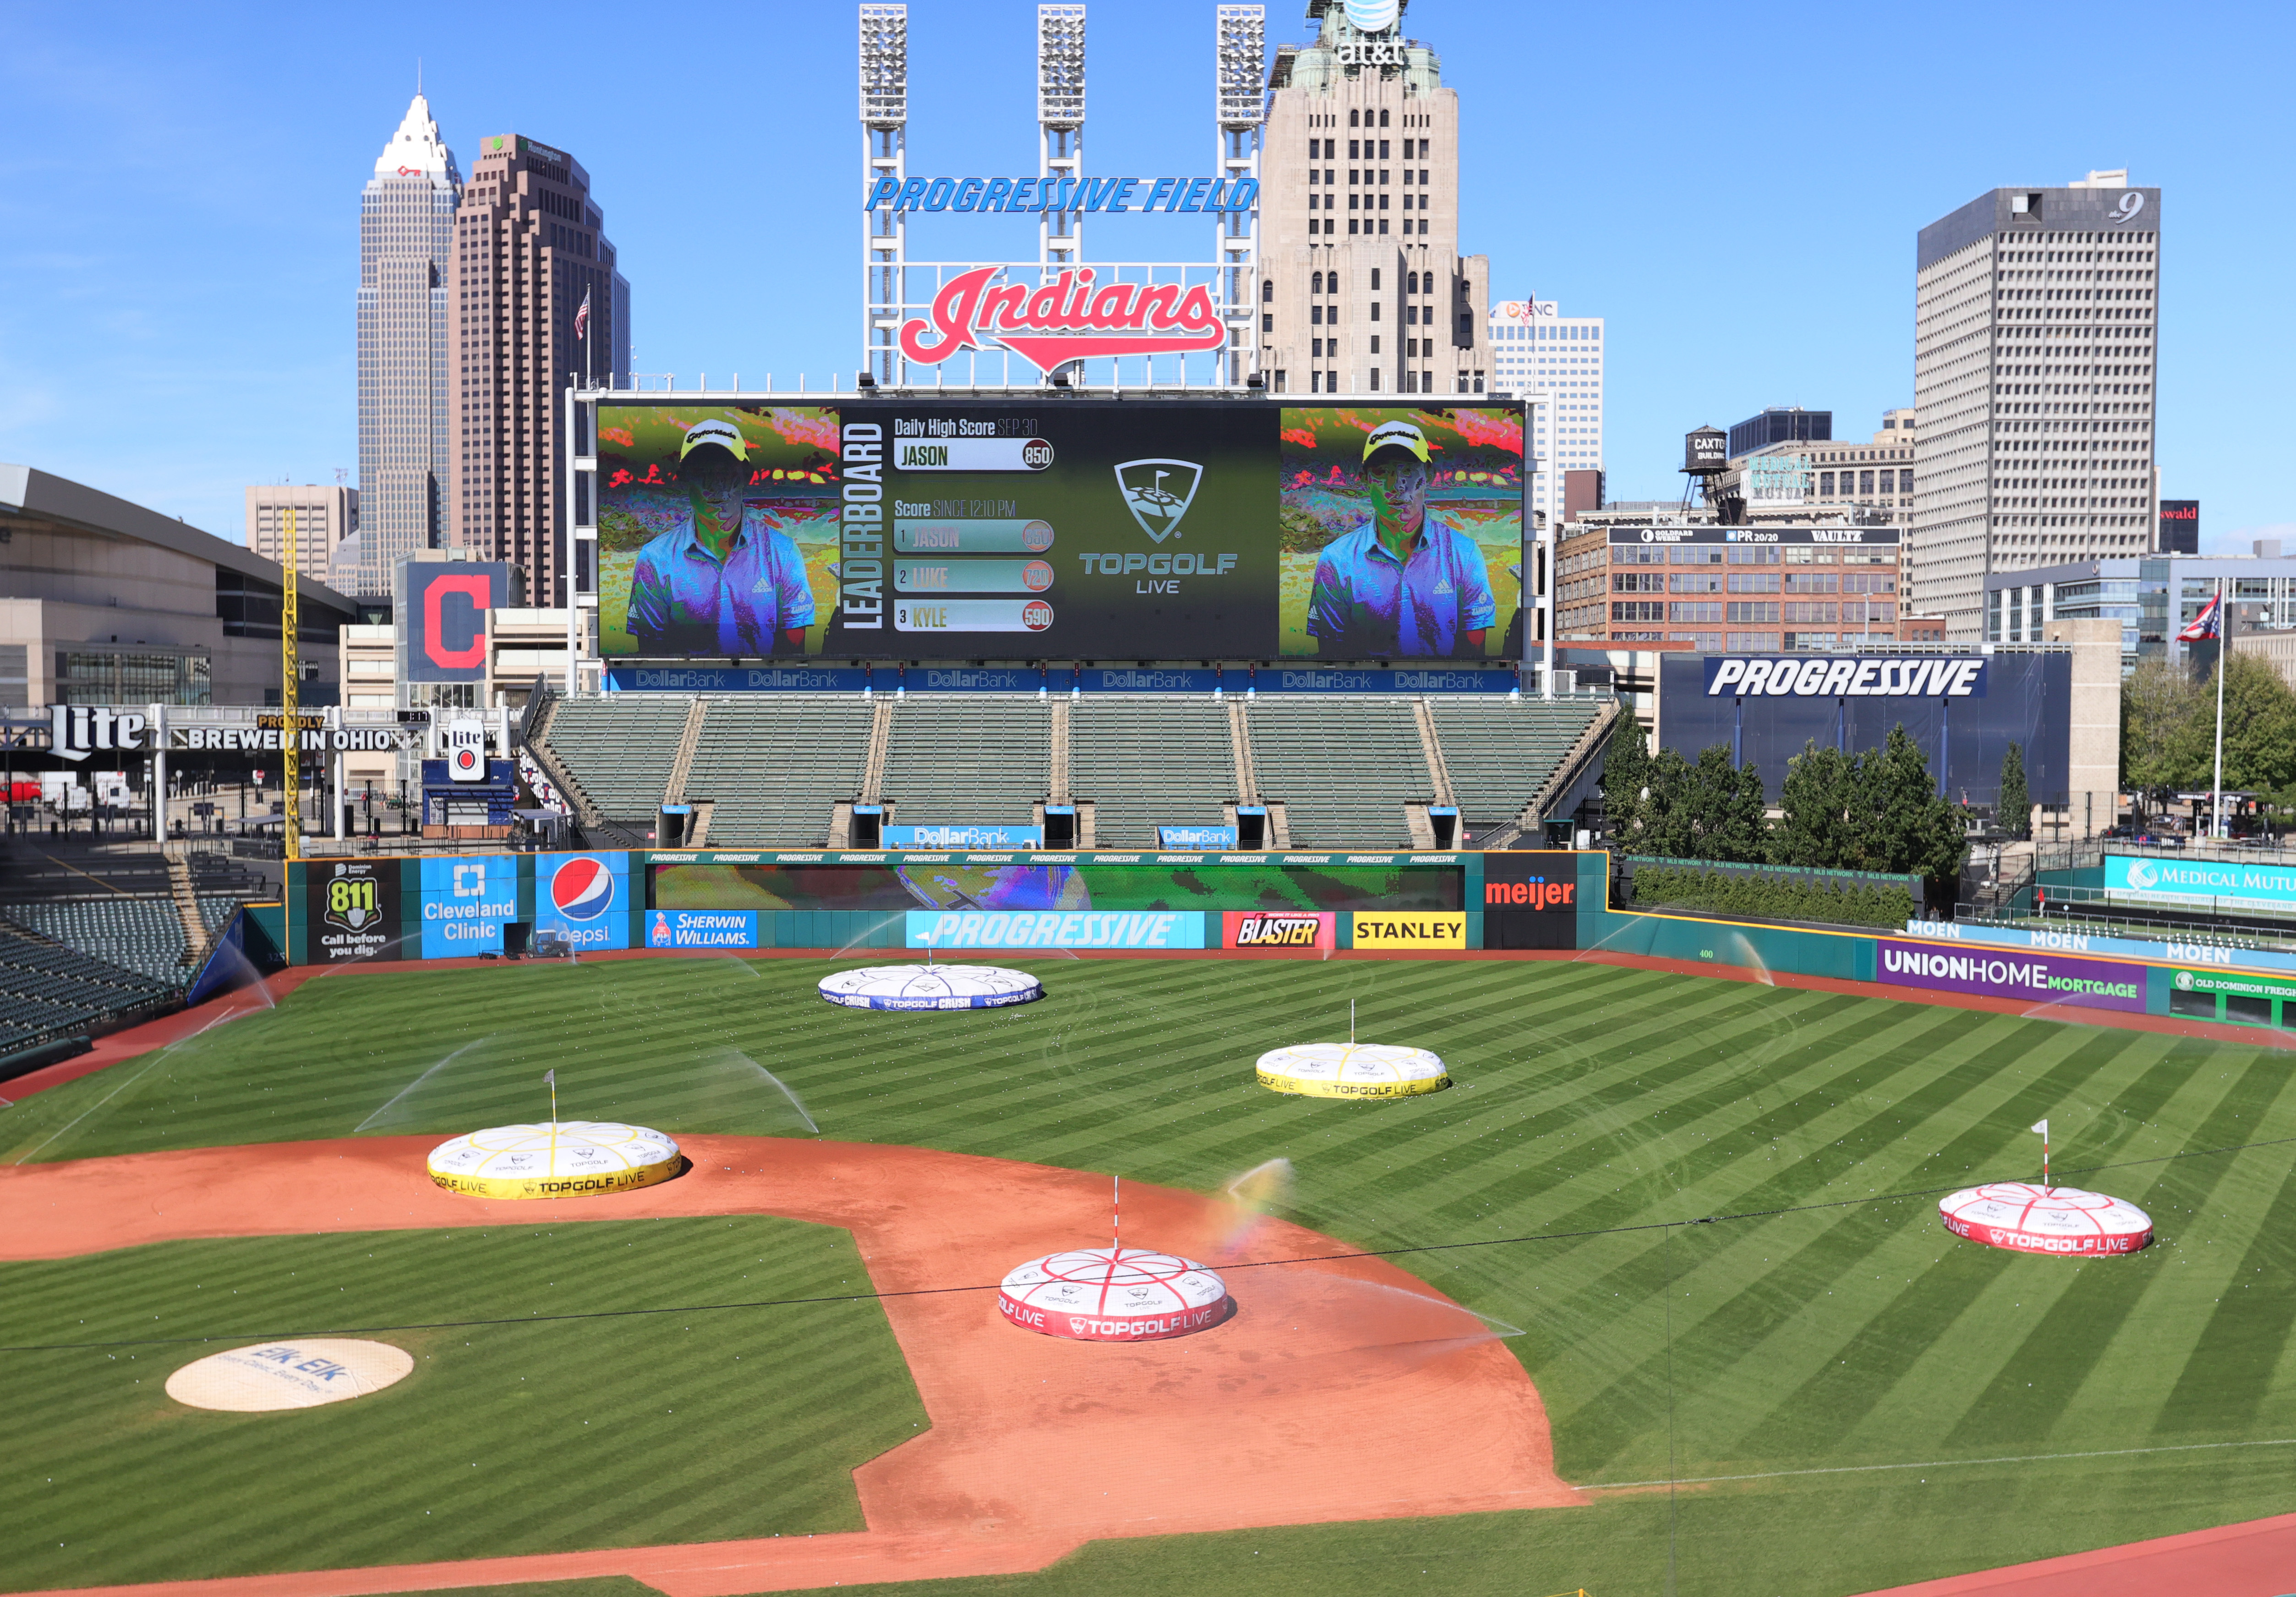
x=1113, y=1294
x=2026, y=1217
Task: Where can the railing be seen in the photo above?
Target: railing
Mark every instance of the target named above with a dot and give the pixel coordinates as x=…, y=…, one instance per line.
x=2209, y=933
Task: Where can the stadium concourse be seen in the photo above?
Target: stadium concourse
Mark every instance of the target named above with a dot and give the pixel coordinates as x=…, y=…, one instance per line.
x=1332, y=771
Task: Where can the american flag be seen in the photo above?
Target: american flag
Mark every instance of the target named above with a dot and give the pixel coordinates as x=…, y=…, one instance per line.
x=582, y=318
x=2205, y=624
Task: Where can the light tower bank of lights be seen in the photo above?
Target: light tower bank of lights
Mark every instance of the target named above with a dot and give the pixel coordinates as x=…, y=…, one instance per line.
x=1100, y=324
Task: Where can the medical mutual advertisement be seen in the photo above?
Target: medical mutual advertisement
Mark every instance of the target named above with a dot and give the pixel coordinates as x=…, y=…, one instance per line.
x=2230, y=883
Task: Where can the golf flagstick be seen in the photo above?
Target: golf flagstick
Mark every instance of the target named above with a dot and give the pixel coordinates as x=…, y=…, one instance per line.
x=2043, y=1127
x=551, y=1076
x=1351, y=1022
x=1116, y=1216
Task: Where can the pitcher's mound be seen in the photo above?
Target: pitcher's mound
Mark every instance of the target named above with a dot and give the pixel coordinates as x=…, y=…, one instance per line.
x=2025, y=1218
x=1352, y=1070
x=1113, y=1294
x=573, y=1158
x=298, y=1374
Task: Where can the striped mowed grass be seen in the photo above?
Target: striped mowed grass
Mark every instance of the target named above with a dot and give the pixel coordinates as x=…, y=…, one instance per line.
x=1825, y=1323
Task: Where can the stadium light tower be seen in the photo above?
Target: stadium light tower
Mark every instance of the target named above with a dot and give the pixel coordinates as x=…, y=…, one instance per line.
x=1059, y=128
x=1240, y=91
x=884, y=153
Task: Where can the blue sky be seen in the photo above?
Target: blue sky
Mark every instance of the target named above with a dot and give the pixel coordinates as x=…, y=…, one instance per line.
x=1738, y=192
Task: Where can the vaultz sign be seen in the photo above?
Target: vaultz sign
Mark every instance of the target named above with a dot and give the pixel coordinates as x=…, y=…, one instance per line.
x=1067, y=319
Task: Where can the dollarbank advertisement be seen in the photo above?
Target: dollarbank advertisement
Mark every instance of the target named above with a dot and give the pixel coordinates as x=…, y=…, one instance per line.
x=1033, y=528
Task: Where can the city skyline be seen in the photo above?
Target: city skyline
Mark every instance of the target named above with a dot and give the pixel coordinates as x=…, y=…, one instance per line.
x=1804, y=304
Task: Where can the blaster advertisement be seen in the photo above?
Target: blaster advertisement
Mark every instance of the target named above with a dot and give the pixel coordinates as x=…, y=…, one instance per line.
x=1079, y=528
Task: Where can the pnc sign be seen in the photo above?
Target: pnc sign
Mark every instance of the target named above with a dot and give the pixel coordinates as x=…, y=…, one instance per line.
x=1073, y=318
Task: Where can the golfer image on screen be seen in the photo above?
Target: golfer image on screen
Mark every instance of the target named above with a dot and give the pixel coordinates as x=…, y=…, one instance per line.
x=721, y=581
x=1399, y=585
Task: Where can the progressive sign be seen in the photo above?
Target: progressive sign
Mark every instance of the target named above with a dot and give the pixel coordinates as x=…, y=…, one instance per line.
x=1800, y=676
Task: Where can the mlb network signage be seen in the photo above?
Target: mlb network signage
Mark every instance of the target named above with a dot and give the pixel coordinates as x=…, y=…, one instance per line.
x=466, y=902
x=1056, y=928
x=1868, y=676
x=1111, y=196
x=2228, y=881
x=965, y=837
x=583, y=898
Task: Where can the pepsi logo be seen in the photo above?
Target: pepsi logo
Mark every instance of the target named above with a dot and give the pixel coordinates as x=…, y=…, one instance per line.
x=583, y=889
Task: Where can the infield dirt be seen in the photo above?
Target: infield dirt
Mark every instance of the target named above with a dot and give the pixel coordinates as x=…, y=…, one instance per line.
x=1342, y=1388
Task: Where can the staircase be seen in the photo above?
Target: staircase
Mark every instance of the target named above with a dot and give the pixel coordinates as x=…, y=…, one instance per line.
x=187, y=910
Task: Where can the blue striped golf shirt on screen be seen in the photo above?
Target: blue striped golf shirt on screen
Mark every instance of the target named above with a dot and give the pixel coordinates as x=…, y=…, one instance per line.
x=1367, y=603
x=684, y=601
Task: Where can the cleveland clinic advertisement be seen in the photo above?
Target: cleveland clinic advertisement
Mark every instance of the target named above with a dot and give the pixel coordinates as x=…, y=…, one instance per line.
x=1057, y=529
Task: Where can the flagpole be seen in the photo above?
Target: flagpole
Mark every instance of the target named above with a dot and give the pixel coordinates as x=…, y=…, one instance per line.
x=2224, y=641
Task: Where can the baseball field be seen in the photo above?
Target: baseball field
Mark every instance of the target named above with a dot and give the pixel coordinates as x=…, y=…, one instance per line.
x=1661, y=1300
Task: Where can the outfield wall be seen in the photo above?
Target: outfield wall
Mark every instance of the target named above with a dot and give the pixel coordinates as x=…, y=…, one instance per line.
x=733, y=901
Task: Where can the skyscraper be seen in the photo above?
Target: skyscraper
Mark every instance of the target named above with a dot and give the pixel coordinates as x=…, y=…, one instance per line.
x=2034, y=312
x=530, y=252
x=1534, y=348
x=406, y=222
x=1362, y=286
x=325, y=517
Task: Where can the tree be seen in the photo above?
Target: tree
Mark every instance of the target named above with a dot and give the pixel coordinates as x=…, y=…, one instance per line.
x=2166, y=724
x=1667, y=815
x=2260, y=726
x=1729, y=810
x=1907, y=826
x=1815, y=805
x=1626, y=775
x=2013, y=810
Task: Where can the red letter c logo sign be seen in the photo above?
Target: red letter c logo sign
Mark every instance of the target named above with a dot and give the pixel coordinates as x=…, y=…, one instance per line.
x=473, y=587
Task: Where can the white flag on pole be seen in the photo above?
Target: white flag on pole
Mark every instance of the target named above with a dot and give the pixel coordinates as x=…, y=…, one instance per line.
x=550, y=1077
x=2042, y=1126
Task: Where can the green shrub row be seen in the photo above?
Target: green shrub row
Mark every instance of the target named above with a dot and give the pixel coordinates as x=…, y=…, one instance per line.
x=1773, y=898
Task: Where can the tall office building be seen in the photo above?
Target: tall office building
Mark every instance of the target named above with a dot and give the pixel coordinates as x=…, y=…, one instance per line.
x=406, y=219
x=1535, y=347
x=324, y=518
x=1363, y=288
x=2034, y=312
x=530, y=250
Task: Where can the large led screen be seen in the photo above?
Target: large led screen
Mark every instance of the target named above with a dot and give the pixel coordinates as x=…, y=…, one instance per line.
x=920, y=885
x=1058, y=529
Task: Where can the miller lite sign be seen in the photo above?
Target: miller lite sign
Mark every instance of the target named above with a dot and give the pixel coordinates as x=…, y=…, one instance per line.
x=1073, y=318
x=463, y=744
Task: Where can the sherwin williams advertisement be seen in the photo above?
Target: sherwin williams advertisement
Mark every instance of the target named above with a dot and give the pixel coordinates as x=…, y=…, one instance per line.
x=702, y=929
x=1042, y=528
x=1402, y=532
x=466, y=901
x=2234, y=883
x=2040, y=978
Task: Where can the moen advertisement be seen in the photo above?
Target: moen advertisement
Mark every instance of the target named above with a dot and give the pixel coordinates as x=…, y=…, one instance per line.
x=353, y=906
x=467, y=899
x=583, y=899
x=931, y=530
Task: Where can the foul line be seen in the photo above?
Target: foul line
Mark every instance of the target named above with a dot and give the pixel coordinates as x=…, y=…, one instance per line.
x=1945, y=1464
x=1310, y=1258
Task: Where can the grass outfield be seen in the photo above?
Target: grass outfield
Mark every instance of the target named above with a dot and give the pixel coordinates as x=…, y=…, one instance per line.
x=1592, y=1100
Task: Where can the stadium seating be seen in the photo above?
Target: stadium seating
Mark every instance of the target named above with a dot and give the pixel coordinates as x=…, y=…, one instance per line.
x=48, y=991
x=142, y=935
x=1149, y=761
x=960, y=758
x=620, y=750
x=1499, y=751
x=1344, y=767
x=774, y=767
